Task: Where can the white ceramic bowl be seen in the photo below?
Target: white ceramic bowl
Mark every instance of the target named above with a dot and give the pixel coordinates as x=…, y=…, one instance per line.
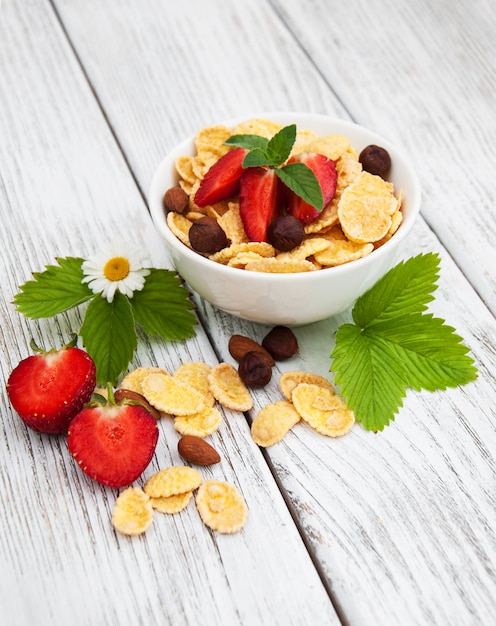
x=289, y=299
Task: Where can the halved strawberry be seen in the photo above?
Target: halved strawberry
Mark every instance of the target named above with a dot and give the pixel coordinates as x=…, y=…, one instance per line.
x=259, y=201
x=49, y=388
x=222, y=179
x=325, y=171
x=113, y=443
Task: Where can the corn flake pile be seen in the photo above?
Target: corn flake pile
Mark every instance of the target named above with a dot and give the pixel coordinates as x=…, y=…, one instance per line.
x=188, y=396
x=364, y=213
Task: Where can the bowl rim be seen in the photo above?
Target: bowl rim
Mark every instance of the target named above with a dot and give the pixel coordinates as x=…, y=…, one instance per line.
x=166, y=165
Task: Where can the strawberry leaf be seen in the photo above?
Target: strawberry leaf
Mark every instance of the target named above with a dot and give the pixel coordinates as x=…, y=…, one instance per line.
x=394, y=345
x=163, y=306
x=300, y=179
x=109, y=336
x=56, y=289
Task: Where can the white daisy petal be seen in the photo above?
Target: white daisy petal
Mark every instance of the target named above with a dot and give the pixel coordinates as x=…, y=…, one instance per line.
x=122, y=267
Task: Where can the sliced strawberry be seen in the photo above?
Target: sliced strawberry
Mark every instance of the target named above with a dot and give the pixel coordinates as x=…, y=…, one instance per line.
x=325, y=171
x=222, y=179
x=259, y=201
x=113, y=444
x=48, y=389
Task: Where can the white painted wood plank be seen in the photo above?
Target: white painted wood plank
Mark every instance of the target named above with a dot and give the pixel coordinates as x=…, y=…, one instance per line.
x=424, y=74
x=402, y=522
x=64, y=189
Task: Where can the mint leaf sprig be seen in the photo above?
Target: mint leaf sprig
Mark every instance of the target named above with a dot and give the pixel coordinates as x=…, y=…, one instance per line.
x=395, y=345
x=109, y=329
x=273, y=153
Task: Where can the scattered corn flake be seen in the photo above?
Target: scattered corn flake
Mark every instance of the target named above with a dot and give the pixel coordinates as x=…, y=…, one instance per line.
x=340, y=252
x=179, y=226
x=289, y=380
x=365, y=208
x=195, y=373
x=173, y=481
x=172, y=504
x=201, y=424
x=273, y=422
x=275, y=266
x=322, y=410
x=169, y=395
x=133, y=379
x=228, y=388
x=221, y=506
x=133, y=512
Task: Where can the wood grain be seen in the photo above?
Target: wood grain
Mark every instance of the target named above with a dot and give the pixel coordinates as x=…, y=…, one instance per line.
x=66, y=188
x=401, y=523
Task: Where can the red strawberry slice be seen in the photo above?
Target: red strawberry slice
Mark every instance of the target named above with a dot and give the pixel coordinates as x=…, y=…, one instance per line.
x=222, y=179
x=113, y=443
x=325, y=171
x=48, y=389
x=259, y=201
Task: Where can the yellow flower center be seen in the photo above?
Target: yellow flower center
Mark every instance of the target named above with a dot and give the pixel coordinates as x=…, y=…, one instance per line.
x=116, y=268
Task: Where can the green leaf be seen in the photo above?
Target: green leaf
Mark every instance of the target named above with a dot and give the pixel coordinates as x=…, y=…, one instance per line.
x=249, y=142
x=54, y=290
x=279, y=147
x=109, y=335
x=256, y=158
x=368, y=377
x=163, y=306
x=300, y=179
x=407, y=288
x=394, y=345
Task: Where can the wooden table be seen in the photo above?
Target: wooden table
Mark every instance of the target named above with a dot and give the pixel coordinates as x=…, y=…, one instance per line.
x=370, y=529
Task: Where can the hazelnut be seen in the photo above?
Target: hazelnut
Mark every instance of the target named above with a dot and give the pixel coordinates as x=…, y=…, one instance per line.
x=285, y=233
x=176, y=199
x=255, y=369
x=281, y=343
x=375, y=160
x=239, y=345
x=205, y=235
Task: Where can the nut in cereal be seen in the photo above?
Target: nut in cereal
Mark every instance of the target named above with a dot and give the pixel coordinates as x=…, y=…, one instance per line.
x=364, y=206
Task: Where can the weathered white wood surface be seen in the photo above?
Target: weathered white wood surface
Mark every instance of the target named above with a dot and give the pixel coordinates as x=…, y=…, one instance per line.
x=401, y=523
x=65, y=188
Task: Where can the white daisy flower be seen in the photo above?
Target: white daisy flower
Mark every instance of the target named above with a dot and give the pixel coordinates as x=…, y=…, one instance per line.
x=122, y=266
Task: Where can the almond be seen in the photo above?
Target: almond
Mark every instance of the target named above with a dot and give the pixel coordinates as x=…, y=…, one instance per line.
x=196, y=450
x=239, y=345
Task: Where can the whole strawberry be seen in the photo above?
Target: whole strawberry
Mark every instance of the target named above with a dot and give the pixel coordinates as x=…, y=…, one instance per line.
x=113, y=443
x=49, y=388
